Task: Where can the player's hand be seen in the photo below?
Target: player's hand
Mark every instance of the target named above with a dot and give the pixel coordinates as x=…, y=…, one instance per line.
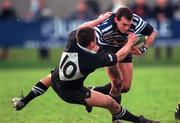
x=132, y=37
x=135, y=51
x=139, y=51
x=105, y=16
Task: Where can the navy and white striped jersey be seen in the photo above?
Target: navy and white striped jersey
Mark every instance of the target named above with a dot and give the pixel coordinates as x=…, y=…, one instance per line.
x=107, y=33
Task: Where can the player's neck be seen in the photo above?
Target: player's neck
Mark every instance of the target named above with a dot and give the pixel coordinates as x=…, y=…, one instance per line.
x=87, y=49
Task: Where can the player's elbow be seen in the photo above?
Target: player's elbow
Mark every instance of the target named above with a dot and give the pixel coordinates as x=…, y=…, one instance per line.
x=121, y=56
x=155, y=34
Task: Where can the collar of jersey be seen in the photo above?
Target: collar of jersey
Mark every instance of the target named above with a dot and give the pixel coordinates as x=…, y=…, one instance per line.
x=87, y=50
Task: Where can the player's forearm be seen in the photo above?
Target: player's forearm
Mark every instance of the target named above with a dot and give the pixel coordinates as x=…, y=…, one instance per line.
x=99, y=20
x=92, y=23
x=150, y=39
x=123, y=52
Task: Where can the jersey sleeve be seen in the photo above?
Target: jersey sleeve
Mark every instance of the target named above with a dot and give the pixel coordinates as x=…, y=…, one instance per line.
x=103, y=60
x=140, y=24
x=99, y=35
x=147, y=30
x=104, y=28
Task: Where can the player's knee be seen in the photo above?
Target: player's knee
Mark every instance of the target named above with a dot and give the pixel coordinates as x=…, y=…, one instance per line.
x=117, y=82
x=126, y=88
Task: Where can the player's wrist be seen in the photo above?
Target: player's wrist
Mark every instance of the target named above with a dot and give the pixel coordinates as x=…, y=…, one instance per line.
x=143, y=49
x=131, y=42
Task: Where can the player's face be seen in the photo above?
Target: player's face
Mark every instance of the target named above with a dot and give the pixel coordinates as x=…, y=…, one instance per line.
x=123, y=24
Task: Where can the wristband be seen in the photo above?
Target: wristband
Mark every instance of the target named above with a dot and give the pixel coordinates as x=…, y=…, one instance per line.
x=143, y=49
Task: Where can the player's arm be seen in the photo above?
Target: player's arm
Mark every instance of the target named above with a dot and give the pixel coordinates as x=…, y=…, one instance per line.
x=150, y=34
x=99, y=20
x=150, y=39
x=108, y=59
x=123, y=52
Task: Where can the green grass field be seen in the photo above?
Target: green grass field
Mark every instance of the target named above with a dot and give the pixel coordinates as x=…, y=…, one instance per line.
x=155, y=92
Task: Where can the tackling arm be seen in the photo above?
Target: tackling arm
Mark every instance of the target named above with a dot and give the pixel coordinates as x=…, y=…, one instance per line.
x=123, y=52
x=94, y=23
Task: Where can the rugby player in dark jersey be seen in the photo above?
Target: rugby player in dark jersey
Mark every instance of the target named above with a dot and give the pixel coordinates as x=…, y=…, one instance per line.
x=79, y=59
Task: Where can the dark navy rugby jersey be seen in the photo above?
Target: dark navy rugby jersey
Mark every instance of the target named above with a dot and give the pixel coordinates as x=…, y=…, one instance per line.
x=108, y=34
x=77, y=62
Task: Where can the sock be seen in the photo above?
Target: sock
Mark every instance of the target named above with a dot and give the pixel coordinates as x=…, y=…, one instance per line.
x=105, y=90
x=36, y=90
x=125, y=115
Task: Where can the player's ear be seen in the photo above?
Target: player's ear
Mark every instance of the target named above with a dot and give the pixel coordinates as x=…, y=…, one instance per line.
x=115, y=19
x=92, y=44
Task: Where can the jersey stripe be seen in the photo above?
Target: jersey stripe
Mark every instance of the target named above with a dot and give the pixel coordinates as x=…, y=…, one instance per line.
x=107, y=29
x=140, y=24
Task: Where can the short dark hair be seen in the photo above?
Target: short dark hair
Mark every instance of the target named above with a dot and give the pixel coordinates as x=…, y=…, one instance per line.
x=124, y=12
x=85, y=35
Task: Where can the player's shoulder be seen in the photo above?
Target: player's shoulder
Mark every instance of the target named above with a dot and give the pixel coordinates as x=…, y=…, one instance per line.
x=111, y=18
x=138, y=21
x=107, y=25
x=136, y=16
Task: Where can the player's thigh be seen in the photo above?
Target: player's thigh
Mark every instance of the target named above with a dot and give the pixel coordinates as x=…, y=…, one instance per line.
x=126, y=70
x=113, y=72
x=100, y=100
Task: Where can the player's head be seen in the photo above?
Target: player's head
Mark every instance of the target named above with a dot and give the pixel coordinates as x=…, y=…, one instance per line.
x=86, y=38
x=123, y=19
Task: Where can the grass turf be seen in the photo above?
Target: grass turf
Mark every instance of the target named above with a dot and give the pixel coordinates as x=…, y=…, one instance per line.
x=154, y=93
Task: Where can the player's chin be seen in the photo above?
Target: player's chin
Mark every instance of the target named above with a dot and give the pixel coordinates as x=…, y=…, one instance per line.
x=125, y=31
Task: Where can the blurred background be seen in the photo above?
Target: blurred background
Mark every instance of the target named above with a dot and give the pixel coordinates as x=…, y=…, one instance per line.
x=35, y=31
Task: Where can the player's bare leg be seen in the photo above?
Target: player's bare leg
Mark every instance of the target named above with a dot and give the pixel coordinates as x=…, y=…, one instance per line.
x=126, y=71
x=105, y=101
x=113, y=88
x=37, y=90
x=118, y=113
x=114, y=74
x=121, y=72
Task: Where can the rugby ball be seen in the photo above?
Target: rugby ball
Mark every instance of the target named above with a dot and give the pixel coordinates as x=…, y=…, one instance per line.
x=140, y=42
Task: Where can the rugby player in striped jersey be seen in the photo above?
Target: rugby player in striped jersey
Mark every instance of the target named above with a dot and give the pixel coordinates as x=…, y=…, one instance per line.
x=111, y=36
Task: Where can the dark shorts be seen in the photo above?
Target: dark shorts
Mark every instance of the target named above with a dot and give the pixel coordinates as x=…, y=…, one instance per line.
x=67, y=92
x=110, y=49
